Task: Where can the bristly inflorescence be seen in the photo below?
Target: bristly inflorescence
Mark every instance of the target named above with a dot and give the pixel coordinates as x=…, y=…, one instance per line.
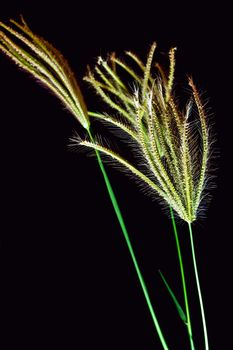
x=38, y=57
x=166, y=137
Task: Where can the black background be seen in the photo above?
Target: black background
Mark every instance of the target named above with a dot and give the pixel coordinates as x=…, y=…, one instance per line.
x=66, y=275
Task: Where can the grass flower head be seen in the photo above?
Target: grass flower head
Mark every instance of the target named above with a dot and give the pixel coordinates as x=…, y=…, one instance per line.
x=38, y=57
x=174, y=147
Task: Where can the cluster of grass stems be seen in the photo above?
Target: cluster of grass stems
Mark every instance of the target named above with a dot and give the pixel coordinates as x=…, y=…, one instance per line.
x=171, y=147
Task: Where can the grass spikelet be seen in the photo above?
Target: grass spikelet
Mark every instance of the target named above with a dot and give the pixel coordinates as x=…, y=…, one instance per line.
x=171, y=73
x=147, y=71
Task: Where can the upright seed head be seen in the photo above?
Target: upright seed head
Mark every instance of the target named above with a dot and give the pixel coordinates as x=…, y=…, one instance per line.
x=164, y=135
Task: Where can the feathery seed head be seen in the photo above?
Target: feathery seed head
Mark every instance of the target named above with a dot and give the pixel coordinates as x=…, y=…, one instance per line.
x=149, y=115
x=38, y=57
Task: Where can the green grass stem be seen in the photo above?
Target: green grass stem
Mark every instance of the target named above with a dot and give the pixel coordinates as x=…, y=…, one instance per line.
x=129, y=245
x=198, y=288
x=189, y=326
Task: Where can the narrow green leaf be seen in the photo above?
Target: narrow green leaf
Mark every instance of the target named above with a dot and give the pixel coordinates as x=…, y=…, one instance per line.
x=179, y=308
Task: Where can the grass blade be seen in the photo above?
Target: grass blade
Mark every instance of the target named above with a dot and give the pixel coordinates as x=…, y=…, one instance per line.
x=177, y=304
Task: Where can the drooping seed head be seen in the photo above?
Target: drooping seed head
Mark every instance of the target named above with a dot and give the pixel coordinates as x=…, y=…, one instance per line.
x=38, y=57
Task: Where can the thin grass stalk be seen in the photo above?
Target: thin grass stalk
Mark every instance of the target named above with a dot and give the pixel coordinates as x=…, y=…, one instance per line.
x=189, y=325
x=198, y=288
x=129, y=245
